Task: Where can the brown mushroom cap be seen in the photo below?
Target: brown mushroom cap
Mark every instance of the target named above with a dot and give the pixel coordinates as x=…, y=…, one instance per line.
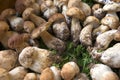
x=96, y=6
x=8, y=59
x=20, y=5
x=47, y=74
x=27, y=13
x=115, y=7
x=74, y=3
x=57, y=17
x=4, y=75
x=7, y=13
x=75, y=12
x=92, y=20
x=110, y=21
x=30, y=76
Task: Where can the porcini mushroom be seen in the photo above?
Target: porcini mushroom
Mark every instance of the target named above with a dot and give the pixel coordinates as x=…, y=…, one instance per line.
x=48, y=8
x=30, y=76
x=51, y=73
x=18, y=73
x=4, y=75
x=69, y=70
x=60, y=27
x=111, y=56
x=29, y=14
x=107, y=73
x=35, y=58
x=49, y=40
x=85, y=36
x=8, y=59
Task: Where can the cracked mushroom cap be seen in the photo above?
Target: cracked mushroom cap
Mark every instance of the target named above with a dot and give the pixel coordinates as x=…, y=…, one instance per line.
x=57, y=18
x=7, y=13
x=76, y=13
x=4, y=75
x=8, y=59
x=92, y=20
x=115, y=7
x=35, y=58
x=110, y=21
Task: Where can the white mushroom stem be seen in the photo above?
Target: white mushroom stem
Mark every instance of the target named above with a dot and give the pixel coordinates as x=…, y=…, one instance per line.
x=103, y=40
x=86, y=35
x=111, y=56
x=75, y=30
x=106, y=73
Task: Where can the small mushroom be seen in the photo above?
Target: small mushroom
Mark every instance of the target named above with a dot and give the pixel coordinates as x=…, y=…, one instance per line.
x=103, y=40
x=18, y=73
x=69, y=70
x=4, y=75
x=30, y=76
x=28, y=26
x=49, y=40
x=111, y=56
x=96, y=7
x=48, y=8
x=106, y=73
x=29, y=14
x=35, y=58
x=8, y=59
x=51, y=73
x=85, y=36
x=15, y=22
x=60, y=27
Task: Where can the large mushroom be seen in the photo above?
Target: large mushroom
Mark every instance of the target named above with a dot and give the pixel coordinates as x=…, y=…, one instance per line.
x=35, y=58
x=106, y=72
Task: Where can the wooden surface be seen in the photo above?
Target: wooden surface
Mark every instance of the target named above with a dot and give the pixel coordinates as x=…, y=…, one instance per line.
x=6, y=4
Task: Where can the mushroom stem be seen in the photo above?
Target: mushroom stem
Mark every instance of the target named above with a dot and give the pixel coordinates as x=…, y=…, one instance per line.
x=75, y=30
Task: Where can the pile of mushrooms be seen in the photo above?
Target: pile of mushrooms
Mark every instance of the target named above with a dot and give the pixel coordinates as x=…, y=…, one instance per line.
x=55, y=22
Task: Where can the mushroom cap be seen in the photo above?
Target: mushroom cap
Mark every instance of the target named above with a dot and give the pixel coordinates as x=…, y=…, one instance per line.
x=117, y=35
x=47, y=74
x=110, y=21
x=28, y=26
x=92, y=20
x=76, y=13
x=30, y=76
x=46, y=4
x=21, y=5
x=81, y=76
x=4, y=75
x=7, y=13
x=115, y=7
x=8, y=59
x=96, y=6
x=74, y=3
x=4, y=27
x=18, y=73
x=69, y=70
x=57, y=18
x=35, y=58
x=27, y=12
x=85, y=8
